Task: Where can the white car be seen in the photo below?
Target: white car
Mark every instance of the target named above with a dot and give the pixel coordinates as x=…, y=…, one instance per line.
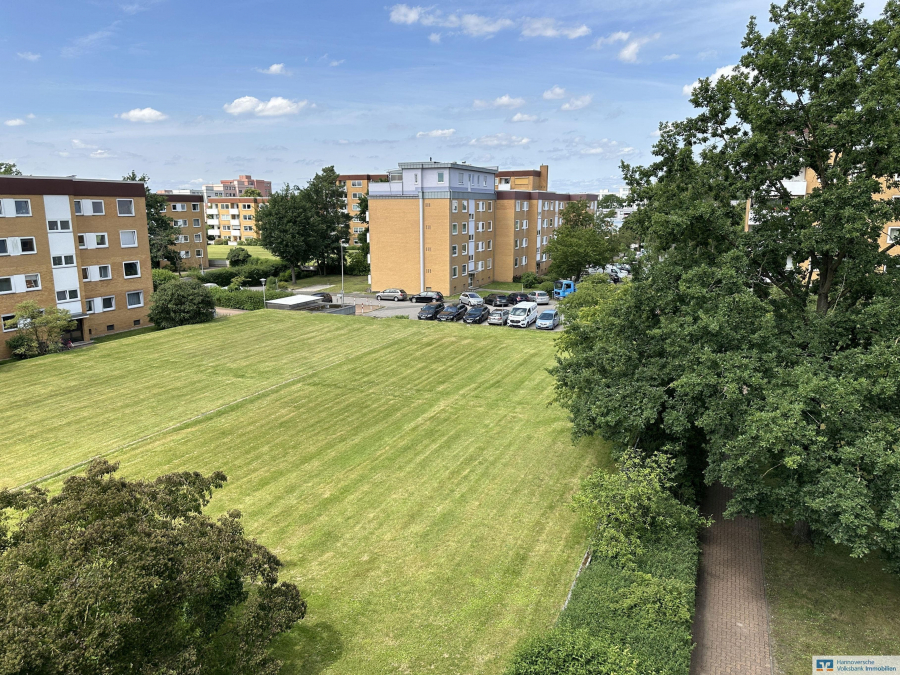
x=470, y=299
x=522, y=315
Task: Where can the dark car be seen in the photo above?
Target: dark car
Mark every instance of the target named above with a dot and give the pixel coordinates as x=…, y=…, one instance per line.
x=430, y=311
x=452, y=313
x=427, y=296
x=516, y=297
x=497, y=300
x=477, y=314
x=325, y=297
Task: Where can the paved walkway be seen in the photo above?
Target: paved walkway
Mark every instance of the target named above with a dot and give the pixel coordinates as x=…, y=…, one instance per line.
x=731, y=624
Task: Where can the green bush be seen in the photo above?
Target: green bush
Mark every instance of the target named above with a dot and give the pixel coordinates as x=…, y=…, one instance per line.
x=531, y=280
x=238, y=256
x=19, y=346
x=181, y=303
x=161, y=276
x=547, y=287
x=251, y=241
x=249, y=300
x=259, y=269
x=357, y=265
x=565, y=652
x=271, y=284
x=220, y=241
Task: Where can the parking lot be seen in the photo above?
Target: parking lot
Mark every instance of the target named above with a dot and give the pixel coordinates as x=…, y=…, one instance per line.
x=411, y=309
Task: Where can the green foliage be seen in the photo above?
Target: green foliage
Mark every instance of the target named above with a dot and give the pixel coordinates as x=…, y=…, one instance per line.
x=583, y=240
x=238, y=256
x=271, y=284
x=160, y=227
x=236, y=283
x=531, y=280
x=181, y=303
x=251, y=192
x=547, y=287
x=220, y=241
x=114, y=576
x=357, y=265
x=567, y=652
x=594, y=292
x=257, y=269
x=162, y=276
x=9, y=169
x=250, y=241
x=38, y=329
x=246, y=299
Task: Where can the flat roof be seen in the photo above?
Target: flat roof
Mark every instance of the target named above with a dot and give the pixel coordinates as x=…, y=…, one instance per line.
x=228, y=200
x=362, y=176
x=446, y=165
x=182, y=198
x=295, y=301
x=70, y=185
x=519, y=173
x=542, y=194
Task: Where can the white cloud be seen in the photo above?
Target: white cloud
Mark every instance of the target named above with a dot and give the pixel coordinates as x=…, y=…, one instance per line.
x=143, y=115
x=473, y=25
x=30, y=116
x=724, y=71
x=436, y=133
x=554, y=92
x=618, y=36
x=522, y=117
x=602, y=149
x=495, y=140
x=505, y=101
x=275, y=106
x=274, y=69
x=577, y=103
x=101, y=154
x=670, y=57
x=547, y=27
x=656, y=134
x=629, y=53
x=435, y=38
x=28, y=56
x=63, y=153
x=79, y=144
x=88, y=43
x=14, y=123
x=335, y=64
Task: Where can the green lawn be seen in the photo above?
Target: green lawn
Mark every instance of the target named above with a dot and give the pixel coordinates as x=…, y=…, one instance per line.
x=827, y=603
x=411, y=477
x=501, y=287
x=221, y=252
x=351, y=284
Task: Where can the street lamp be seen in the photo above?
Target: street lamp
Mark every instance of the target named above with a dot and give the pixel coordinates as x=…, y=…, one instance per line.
x=263, y=282
x=343, y=245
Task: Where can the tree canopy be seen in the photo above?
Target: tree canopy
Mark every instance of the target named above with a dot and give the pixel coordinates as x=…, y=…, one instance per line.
x=767, y=357
x=160, y=227
x=9, y=169
x=180, y=303
x=39, y=330
x=583, y=240
x=115, y=576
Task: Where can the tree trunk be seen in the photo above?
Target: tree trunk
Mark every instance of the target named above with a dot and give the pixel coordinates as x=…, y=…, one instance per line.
x=293, y=274
x=802, y=535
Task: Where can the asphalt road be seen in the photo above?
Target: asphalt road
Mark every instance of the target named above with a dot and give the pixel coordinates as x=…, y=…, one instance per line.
x=411, y=309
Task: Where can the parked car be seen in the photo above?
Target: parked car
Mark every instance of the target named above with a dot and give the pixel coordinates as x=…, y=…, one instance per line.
x=477, y=314
x=548, y=320
x=452, y=313
x=498, y=317
x=496, y=300
x=516, y=297
x=522, y=315
x=471, y=299
x=539, y=297
x=430, y=311
x=395, y=294
x=325, y=297
x=427, y=296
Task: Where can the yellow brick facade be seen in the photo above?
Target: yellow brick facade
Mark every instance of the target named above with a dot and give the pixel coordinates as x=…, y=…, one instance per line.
x=235, y=217
x=187, y=212
x=356, y=186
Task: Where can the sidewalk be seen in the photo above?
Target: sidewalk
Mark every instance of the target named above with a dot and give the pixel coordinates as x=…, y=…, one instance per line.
x=731, y=623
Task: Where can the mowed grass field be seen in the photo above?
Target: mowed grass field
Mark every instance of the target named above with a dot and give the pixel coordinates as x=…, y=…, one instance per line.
x=411, y=476
x=220, y=251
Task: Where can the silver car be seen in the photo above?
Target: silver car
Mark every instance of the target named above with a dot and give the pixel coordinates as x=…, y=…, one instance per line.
x=539, y=297
x=547, y=320
x=470, y=299
x=498, y=317
x=395, y=294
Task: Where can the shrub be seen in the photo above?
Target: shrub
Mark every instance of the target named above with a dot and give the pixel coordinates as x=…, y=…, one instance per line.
x=236, y=283
x=530, y=280
x=271, y=284
x=238, y=256
x=547, y=287
x=220, y=241
x=20, y=346
x=259, y=269
x=572, y=653
x=161, y=276
x=357, y=264
x=251, y=241
x=181, y=303
x=249, y=300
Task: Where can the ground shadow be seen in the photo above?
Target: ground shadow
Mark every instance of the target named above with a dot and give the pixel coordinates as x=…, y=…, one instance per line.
x=309, y=648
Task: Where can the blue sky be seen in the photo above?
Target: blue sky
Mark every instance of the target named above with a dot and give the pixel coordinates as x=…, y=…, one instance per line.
x=192, y=92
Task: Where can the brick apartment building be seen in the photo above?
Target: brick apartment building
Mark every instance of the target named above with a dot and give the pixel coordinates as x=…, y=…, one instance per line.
x=357, y=185
x=79, y=245
x=234, y=218
x=235, y=187
x=450, y=226
x=187, y=212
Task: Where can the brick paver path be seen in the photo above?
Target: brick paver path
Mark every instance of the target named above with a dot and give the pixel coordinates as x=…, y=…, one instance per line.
x=731, y=626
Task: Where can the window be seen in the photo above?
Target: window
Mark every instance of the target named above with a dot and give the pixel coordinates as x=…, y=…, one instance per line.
x=195, y=206
x=489, y=263
x=89, y=306
x=525, y=242
x=465, y=228
x=23, y=207
x=184, y=254
x=4, y=318
x=480, y=265
x=490, y=244
x=78, y=211
x=125, y=207
x=6, y=285
x=26, y=244
x=893, y=234
x=59, y=225
x=518, y=205
x=455, y=206
x=248, y=228
x=355, y=183
x=517, y=243
x=524, y=224
x=440, y=176
x=416, y=178
x=181, y=239
x=490, y=226
x=61, y=260
x=199, y=252
x=101, y=240
x=127, y=238
x=465, y=205
x=545, y=240
x=196, y=222
x=247, y=207
x=198, y=238
x=226, y=227
x=524, y=259
x=248, y=216
x=85, y=273
x=465, y=249
x=179, y=207
x=453, y=250
x=32, y=282
x=355, y=207
x=4, y=247
x=181, y=223
x=137, y=322
x=108, y=303
x=515, y=262
x=455, y=271
x=524, y=206
x=104, y=271
x=134, y=299
x=62, y=296
x=481, y=206
x=490, y=206
x=465, y=269
x=517, y=226
x=454, y=228
x=97, y=207
x=132, y=269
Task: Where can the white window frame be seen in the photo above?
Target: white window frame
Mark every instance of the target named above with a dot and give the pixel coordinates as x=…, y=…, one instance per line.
x=465, y=269
x=12, y=289
x=134, y=245
x=356, y=183
x=490, y=244
x=79, y=209
x=465, y=249
x=465, y=227
x=59, y=227
x=6, y=317
x=184, y=254
x=524, y=260
x=179, y=207
x=63, y=258
x=198, y=238
x=5, y=245
x=100, y=277
x=195, y=206
x=893, y=232
x=22, y=252
x=38, y=282
x=105, y=238
x=67, y=295
x=16, y=207
x=128, y=301
x=454, y=251
x=102, y=207
x=105, y=298
x=131, y=276
x=454, y=272
x=198, y=252
x=440, y=176
x=119, y=202
x=454, y=228
x=489, y=260
x=196, y=222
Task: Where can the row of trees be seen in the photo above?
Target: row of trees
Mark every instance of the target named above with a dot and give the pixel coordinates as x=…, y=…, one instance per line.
x=767, y=359
x=302, y=225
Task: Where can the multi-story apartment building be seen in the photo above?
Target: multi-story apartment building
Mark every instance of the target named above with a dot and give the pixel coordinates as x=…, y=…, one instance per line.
x=443, y=226
x=357, y=185
x=187, y=212
x=80, y=245
x=233, y=218
x=524, y=179
x=235, y=187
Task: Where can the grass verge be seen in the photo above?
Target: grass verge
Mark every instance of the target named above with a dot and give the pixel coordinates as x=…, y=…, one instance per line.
x=220, y=252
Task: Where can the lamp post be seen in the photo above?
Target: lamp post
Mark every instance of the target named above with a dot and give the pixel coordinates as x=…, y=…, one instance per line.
x=343, y=245
x=263, y=282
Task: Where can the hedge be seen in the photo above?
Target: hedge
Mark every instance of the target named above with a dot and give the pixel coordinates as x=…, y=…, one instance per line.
x=565, y=652
x=259, y=269
x=249, y=300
